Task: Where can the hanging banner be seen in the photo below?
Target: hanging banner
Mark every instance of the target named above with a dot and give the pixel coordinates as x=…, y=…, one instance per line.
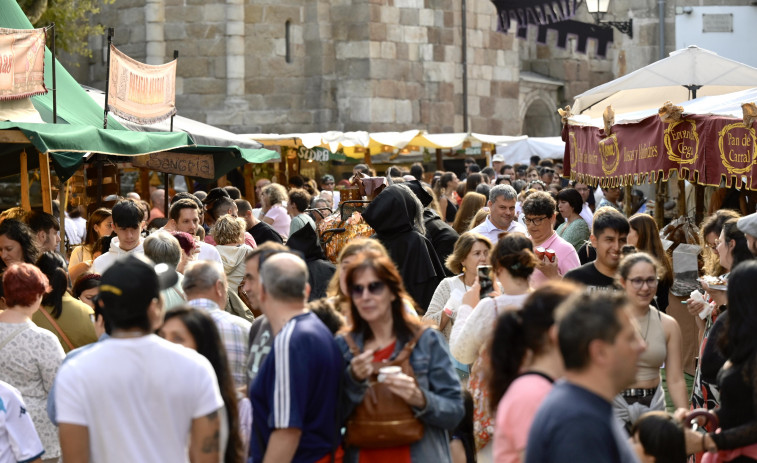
x=702, y=149
x=141, y=93
x=22, y=63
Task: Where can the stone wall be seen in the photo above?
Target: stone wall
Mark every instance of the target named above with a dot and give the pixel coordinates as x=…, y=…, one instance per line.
x=317, y=65
x=581, y=72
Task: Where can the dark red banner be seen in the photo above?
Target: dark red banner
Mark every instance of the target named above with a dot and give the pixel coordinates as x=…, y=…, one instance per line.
x=703, y=149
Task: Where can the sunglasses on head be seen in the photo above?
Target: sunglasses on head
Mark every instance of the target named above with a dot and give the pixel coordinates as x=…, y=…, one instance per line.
x=375, y=288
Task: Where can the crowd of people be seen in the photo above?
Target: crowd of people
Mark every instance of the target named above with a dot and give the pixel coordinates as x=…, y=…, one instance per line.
x=500, y=314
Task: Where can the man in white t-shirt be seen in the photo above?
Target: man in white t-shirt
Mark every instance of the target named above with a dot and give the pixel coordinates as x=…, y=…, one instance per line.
x=137, y=397
x=18, y=438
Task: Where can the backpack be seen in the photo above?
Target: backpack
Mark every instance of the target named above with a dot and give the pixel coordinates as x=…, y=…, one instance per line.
x=383, y=419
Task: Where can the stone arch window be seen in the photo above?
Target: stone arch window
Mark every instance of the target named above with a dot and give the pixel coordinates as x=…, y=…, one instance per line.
x=288, y=41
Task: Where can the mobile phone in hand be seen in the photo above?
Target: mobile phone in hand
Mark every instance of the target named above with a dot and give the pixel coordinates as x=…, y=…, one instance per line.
x=485, y=280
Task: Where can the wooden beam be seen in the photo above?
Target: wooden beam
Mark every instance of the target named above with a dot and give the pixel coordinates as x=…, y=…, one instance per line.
x=13, y=136
x=25, y=203
x=439, y=160
x=44, y=178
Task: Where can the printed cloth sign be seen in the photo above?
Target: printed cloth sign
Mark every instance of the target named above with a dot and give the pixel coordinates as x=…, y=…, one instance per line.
x=22, y=63
x=141, y=93
x=701, y=148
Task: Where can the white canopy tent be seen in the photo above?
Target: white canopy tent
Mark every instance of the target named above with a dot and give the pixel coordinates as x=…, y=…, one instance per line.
x=689, y=72
x=728, y=105
x=521, y=151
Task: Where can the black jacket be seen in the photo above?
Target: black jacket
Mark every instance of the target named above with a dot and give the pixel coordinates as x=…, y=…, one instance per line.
x=320, y=270
x=392, y=216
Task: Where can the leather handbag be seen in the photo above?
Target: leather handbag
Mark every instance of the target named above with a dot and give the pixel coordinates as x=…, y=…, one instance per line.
x=383, y=419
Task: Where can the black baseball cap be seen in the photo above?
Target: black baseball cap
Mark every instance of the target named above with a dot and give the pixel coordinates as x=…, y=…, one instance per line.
x=132, y=282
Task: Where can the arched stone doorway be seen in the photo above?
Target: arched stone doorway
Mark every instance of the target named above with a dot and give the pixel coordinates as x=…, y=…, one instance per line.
x=540, y=120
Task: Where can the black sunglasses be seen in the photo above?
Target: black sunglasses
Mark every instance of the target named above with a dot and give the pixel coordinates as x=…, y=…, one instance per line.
x=375, y=288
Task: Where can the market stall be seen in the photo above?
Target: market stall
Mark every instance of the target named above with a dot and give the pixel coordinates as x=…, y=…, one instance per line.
x=691, y=141
x=602, y=118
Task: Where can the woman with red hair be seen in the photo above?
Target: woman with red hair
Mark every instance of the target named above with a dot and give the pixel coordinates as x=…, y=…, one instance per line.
x=29, y=355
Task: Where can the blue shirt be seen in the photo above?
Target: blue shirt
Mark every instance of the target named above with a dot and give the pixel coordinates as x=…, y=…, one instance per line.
x=297, y=387
x=574, y=424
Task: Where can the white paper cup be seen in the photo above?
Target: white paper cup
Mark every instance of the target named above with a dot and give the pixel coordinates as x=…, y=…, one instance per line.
x=385, y=372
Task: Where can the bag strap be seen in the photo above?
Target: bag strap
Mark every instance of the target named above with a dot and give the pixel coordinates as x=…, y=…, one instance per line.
x=408, y=349
x=10, y=338
x=354, y=349
x=57, y=328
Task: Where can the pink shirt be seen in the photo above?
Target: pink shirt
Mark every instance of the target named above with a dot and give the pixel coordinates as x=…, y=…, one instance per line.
x=515, y=413
x=281, y=219
x=567, y=259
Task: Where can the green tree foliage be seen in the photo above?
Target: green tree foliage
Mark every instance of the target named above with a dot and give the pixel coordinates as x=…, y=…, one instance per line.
x=71, y=18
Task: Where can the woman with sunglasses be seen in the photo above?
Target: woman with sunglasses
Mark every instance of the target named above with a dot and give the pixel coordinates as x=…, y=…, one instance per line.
x=639, y=274
x=380, y=330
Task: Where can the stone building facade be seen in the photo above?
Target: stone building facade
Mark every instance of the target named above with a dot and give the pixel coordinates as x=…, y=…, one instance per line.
x=283, y=66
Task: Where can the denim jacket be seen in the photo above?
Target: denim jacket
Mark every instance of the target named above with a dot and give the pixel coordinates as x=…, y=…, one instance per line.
x=437, y=380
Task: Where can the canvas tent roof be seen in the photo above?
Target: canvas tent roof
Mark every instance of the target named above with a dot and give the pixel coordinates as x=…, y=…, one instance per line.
x=650, y=86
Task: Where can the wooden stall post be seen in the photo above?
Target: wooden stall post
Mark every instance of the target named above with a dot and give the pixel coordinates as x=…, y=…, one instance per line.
x=44, y=178
x=63, y=205
x=659, y=203
x=144, y=183
x=627, y=198
x=439, y=160
x=25, y=203
x=681, y=198
x=699, y=198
